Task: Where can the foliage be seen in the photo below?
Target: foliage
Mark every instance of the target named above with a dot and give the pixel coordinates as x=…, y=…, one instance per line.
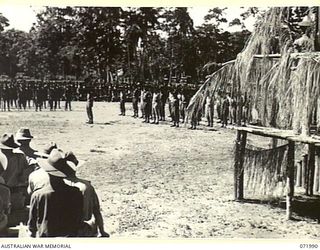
x=146, y=44
x=4, y=22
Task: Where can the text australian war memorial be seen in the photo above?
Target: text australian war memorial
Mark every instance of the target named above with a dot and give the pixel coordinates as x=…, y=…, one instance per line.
x=241, y=101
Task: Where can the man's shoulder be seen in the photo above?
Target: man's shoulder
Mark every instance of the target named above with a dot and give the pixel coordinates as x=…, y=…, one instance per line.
x=72, y=190
x=87, y=183
x=37, y=173
x=45, y=191
x=18, y=151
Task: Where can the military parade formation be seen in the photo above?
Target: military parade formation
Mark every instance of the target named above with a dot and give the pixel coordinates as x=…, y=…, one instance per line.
x=148, y=99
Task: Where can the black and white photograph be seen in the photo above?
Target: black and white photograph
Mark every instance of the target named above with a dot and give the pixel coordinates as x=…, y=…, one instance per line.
x=160, y=122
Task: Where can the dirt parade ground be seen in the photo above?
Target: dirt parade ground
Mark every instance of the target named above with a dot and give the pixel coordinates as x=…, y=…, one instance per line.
x=155, y=181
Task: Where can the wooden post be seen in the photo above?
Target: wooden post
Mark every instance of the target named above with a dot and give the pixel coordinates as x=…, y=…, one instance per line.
x=238, y=164
x=317, y=30
x=311, y=168
x=241, y=167
x=290, y=180
x=316, y=176
x=299, y=173
x=319, y=175
x=304, y=170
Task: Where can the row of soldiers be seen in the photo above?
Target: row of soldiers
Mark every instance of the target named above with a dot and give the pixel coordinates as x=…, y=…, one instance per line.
x=35, y=94
x=38, y=95
x=151, y=101
x=226, y=109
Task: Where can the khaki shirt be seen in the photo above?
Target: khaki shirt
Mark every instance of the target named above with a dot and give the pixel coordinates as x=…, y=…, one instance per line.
x=5, y=199
x=14, y=170
x=90, y=199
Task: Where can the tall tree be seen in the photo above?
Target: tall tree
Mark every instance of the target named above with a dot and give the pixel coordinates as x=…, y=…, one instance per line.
x=52, y=32
x=4, y=22
x=180, y=46
x=99, y=38
x=140, y=25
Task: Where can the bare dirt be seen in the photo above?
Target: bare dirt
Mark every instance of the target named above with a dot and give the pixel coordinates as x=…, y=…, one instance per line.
x=158, y=181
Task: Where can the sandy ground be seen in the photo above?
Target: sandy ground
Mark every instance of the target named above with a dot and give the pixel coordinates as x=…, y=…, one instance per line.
x=157, y=181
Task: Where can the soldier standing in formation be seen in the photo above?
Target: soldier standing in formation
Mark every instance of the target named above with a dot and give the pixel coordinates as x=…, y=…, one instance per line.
x=155, y=106
x=209, y=110
x=175, y=109
x=6, y=98
x=163, y=99
x=225, y=110
x=90, y=106
x=135, y=100
x=123, y=102
x=68, y=97
x=147, y=105
x=37, y=98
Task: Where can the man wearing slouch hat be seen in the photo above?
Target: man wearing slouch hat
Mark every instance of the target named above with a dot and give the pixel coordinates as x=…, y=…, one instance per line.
x=55, y=210
x=40, y=178
x=12, y=169
x=92, y=220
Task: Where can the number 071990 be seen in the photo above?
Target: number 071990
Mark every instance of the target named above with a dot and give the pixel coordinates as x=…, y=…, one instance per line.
x=309, y=246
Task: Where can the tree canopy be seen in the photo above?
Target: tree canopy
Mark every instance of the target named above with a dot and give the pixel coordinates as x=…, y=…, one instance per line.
x=136, y=44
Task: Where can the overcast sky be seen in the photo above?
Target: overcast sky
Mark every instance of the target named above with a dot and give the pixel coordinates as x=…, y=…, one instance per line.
x=21, y=17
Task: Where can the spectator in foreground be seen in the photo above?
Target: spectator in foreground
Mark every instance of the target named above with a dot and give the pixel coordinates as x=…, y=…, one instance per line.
x=92, y=217
x=40, y=178
x=12, y=169
x=55, y=210
x=4, y=206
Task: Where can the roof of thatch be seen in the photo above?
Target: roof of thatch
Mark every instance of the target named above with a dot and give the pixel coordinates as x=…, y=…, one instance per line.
x=283, y=88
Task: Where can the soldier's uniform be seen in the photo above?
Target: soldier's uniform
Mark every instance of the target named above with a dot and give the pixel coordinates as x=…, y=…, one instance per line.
x=142, y=103
x=155, y=106
x=148, y=105
x=29, y=94
x=233, y=111
x=175, y=110
x=89, y=107
x=163, y=99
x=6, y=97
x=225, y=111
x=22, y=97
x=44, y=94
x=135, y=100
x=37, y=98
x=209, y=110
x=123, y=102
x=51, y=96
x=68, y=97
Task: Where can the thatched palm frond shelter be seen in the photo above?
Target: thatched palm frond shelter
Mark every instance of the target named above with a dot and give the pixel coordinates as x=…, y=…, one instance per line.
x=281, y=84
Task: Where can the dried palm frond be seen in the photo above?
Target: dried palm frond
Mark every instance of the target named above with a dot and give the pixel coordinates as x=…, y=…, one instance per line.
x=283, y=90
x=219, y=80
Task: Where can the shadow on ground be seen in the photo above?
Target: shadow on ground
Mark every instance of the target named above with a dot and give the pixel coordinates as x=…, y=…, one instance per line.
x=303, y=206
x=105, y=123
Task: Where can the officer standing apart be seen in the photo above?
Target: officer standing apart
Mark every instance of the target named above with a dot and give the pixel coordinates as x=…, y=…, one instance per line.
x=89, y=106
x=90, y=99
